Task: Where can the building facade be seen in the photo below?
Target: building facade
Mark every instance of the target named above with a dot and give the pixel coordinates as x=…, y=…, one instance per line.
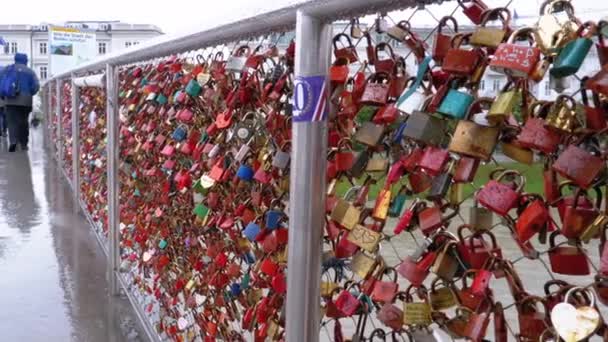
x=34, y=40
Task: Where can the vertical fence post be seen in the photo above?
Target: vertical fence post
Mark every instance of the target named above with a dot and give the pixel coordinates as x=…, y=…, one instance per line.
x=307, y=188
x=76, y=144
x=59, y=141
x=50, y=110
x=112, y=157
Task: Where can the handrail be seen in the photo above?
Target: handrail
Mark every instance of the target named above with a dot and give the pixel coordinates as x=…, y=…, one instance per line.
x=283, y=19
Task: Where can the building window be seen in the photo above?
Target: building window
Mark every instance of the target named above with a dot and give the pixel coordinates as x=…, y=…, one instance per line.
x=14, y=47
x=135, y=43
x=547, y=88
x=128, y=44
x=43, y=72
x=496, y=85
x=482, y=85
x=43, y=48
x=101, y=48
x=6, y=49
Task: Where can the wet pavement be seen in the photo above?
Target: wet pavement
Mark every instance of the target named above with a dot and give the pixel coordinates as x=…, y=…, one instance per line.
x=52, y=271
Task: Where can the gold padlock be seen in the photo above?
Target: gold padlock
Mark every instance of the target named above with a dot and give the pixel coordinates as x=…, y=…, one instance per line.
x=442, y=298
x=594, y=228
x=446, y=265
x=517, y=153
x=562, y=114
x=345, y=214
x=327, y=287
x=456, y=194
x=417, y=313
x=504, y=104
x=492, y=36
x=474, y=140
x=553, y=32
x=364, y=237
x=363, y=264
x=383, y=202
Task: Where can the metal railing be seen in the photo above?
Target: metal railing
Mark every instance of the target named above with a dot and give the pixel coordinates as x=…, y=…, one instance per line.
x=312, y=21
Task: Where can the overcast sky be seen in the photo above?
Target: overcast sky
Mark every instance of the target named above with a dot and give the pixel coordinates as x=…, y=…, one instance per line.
x=186, y=15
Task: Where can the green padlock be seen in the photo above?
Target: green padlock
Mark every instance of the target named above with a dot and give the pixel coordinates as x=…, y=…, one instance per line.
x=161, y=99
x=201, y=211
x=398, y=202
x=193, y=88
x=365, y=114
x=571, y=57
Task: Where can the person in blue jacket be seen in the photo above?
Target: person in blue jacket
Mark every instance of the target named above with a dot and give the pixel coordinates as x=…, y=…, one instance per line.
x=18, y=108
x=3, y=127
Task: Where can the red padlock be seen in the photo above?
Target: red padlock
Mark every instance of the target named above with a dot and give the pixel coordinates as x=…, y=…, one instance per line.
x=499, y=197
x=431, y=218
x=568, y=260
x=465, y=170
x=385, y=291
x=479, y=251
x=532, y=320
x=347, y=303
x=578, y=212
x=417, y=271
x=443, y=42
x=579, y=166
x=531, y=220
x=535, y=135
x=595, y=115
x=473, y=9
x=433, y=160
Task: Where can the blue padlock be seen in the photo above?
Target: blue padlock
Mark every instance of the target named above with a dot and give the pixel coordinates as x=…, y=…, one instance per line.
x=250, y=259
x=245, y=173
x=179, y=134
x=251, y=231
x=163, y=244
x=193, y=88
x=273, y=218
x=161, y=99
x=235, y=289
x=455, y=104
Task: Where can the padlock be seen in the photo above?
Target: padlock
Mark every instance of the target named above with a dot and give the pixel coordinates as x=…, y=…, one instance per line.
x=602, y=48
x=413, y=99
x=365, y=238
x=478, y=324
x=377, y=89
x=456, y=103
x=345, y=214
x=433, y=160
x=443, y=42
x=554, y=32
x=386, y=65
x=577, y=212
x=467, y=298
x=505, y=102
x=443, y=297
x=535, y=135
x=480, y=218
x=473, y=140
x=390, y=314
x=416, y=271
x=595, y=118
x=416, y=313
x=531, y=219
x=499, y=197
x=478, y=251
x=532, y=320
x=237, y=60
x=282, y=156
x=363, y=264
x=492, y=37
x=347, y=51
x=369, y=134
x=383, y=201
x=449, y=263
x=576, y=322
x=579, y=166
x=425, y=128
x=385, y=291
x=461, y=61
x=407, y=220
x=441, y=184
x=570, y=59
x=516, y=60
x=516, y=152
x=568, y=260
x=474, y=11
x=465, y=170
x=431, y=218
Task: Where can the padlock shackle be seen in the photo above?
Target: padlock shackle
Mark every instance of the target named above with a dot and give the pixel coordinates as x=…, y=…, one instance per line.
x=528, y=33
x=586, y=292
x=587, y=30
x=459, y=39
x=499, y=13
x=547, y=7
x=384, y=46
x=444, y=22
x=522, y=179
x=338, y=38
x=554, y=282
x=488, y=101
x=531, y=302
x=478, y=235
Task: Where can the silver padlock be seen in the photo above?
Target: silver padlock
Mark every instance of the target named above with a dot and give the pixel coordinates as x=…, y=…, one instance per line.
x=236, y=62
x=559, y=84
x=243, y=151
x=281, y=157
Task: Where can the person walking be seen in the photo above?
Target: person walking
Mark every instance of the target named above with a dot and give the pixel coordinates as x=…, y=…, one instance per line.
x=18, y=85
x=3, y=127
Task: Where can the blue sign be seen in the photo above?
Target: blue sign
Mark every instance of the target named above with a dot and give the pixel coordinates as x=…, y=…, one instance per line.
x=309, y=99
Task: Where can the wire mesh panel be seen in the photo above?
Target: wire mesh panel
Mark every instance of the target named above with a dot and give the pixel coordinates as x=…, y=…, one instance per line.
x=66, y=133
x=93, y=167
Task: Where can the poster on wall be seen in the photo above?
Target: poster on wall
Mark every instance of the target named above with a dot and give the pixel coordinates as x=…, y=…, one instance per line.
x=70, y=47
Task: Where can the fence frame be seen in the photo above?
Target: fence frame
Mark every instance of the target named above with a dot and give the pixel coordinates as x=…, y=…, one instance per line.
x=312, y=20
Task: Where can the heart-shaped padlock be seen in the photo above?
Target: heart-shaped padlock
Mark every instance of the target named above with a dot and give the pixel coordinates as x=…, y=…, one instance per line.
x=575, y=324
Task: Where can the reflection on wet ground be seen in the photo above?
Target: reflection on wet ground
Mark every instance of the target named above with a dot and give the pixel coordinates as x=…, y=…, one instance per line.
x=52, y=272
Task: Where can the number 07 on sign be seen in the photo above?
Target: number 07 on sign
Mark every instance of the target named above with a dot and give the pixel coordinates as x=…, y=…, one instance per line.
x=310, y=99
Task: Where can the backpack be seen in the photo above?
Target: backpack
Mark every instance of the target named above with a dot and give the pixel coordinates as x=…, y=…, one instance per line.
x=9, y=85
